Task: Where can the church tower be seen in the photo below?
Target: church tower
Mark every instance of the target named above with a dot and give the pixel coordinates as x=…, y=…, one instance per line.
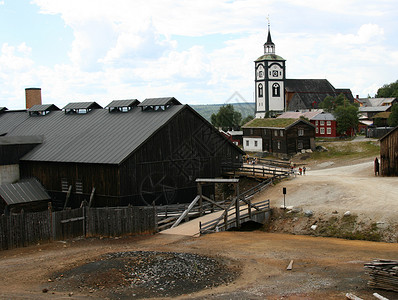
x=270, y=75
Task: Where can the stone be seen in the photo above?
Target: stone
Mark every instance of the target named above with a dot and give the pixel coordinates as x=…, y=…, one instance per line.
x=309, y=213
x=347, y=213
x=314, y=227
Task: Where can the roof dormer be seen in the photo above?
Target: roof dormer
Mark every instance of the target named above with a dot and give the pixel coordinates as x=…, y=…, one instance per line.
x=42, y=109
x=122, y=105
x=158, y=104
x=80, y=107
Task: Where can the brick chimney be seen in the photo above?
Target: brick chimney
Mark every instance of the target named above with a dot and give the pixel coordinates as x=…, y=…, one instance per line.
x=33, y=97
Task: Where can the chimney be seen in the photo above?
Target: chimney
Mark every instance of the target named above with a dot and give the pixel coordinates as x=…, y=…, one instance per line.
x=33, y=97
x=357, y=97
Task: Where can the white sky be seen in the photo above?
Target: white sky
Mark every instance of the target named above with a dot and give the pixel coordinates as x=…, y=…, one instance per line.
x=200, y=52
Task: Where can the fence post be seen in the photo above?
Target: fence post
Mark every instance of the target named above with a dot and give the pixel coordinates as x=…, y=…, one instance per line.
x=50, y=222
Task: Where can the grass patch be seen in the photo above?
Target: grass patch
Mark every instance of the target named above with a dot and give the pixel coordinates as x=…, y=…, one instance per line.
x=347, y=150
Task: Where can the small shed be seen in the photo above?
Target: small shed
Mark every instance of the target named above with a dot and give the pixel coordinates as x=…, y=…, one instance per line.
x=389, y=153
x=28, y=195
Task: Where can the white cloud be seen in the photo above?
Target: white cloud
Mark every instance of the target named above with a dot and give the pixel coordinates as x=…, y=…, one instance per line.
x=128, y=49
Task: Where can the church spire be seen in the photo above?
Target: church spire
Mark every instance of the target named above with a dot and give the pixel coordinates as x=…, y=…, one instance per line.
x=269, y=46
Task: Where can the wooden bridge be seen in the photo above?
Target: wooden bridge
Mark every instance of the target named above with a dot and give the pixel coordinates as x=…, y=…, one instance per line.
x=234, y=212
x=263, y=169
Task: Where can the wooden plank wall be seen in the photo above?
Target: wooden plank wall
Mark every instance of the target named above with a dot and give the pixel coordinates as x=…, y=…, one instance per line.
x=119, y=221
x=389, y=154
x=24, y=229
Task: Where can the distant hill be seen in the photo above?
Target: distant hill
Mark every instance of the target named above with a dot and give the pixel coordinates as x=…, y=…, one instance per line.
x=207, y=110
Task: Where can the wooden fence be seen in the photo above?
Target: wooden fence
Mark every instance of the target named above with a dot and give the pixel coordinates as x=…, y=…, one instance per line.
x=19, y=230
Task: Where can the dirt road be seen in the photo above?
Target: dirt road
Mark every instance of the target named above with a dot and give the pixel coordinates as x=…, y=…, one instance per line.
x=323, y=268
x=351, y=188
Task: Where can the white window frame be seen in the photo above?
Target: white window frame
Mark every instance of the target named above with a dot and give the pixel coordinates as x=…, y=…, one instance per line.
x=329, y=123
x=278, y=145
x=322, y=130
x=281, y=132
x=300, y=132
x=316, y=130
x=276, y=132
x=322, y=123
x=328, y=130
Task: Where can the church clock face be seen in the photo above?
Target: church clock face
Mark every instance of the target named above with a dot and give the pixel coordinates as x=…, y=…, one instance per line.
x=274, y=73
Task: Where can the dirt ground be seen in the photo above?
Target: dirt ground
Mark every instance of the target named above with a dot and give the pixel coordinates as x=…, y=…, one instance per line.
x=323, y=268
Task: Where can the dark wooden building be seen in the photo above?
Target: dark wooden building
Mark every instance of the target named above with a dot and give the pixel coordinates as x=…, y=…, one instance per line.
x=127, y=153
x=389, y=153
x=28, y=195
x=279, y=136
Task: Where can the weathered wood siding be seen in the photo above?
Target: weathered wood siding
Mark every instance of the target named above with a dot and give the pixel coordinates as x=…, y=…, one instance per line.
x=169, y=162
x=389, y=154
x=105, y=179
x=20, y=230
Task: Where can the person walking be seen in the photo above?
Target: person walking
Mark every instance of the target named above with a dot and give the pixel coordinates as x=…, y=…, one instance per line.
x=304, y=168
x=377, y=167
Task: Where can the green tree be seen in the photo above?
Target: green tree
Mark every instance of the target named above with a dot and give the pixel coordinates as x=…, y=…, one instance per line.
x=226, y=117
x=388, y=90
x=393, y=118
x=330, y=103
x=247, y=119
x=346, y=117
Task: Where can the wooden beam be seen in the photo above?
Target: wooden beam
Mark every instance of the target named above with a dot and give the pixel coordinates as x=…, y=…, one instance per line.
x=213, y=202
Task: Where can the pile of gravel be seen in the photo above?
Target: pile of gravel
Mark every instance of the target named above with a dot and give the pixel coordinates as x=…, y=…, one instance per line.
x=142, y=274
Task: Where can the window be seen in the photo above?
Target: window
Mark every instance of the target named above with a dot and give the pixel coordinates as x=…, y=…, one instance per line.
x=79, y=187
x=279, y=145
x=300, y=145
x=247, y=143
x=276, y=90
x=260, y=90
x=255, y=143
x=251, y=131
x=322, y=130
x=300, y=132
x=316, y=123
x=276, y=132
x=317, y=130
x=328, y=123
x=64, y=185
x=329, y=130
x=281, y=133
x=322, y=122
x=265, y=131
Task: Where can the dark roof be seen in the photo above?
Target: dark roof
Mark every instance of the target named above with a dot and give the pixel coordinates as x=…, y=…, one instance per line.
x=9, y=120
x=82, y=105
x=308, y=93
x=97, y=137
x=159, y=101
x=270, y=56
x=277, y=123
x=324, y=117
x=123, y=103
x=390, y=132
x=21, y=140
x=2, y=108
x=43, y=107
x=23, y=192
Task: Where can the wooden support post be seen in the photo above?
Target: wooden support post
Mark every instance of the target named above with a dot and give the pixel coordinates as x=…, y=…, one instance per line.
x=200, y=199
x=91, y=197
x=249, y=207
x=237, y=206
x=67, y=196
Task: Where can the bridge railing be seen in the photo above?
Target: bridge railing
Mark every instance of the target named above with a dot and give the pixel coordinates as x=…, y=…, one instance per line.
x=255, y=170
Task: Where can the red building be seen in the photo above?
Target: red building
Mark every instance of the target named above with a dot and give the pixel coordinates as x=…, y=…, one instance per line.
x=326, y=126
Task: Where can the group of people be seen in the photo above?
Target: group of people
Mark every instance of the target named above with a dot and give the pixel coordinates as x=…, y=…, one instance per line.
x=301, y=170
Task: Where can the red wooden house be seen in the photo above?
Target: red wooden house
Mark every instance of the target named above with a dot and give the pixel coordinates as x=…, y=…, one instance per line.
x=326, y=126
